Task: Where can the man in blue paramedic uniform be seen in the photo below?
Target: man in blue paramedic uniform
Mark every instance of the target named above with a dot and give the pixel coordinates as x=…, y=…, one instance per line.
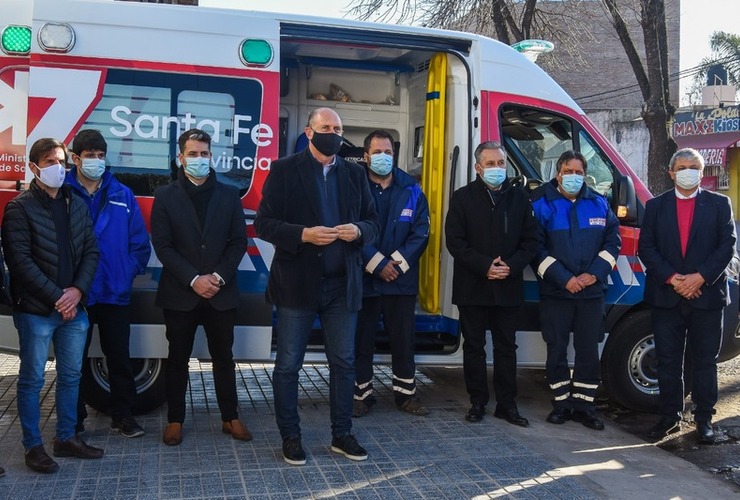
x=391, y=278
x=579, y=245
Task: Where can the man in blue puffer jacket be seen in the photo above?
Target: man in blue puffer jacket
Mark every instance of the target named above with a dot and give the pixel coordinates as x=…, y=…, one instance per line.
x=579, y=245
x=124, y=252
x=391, y=280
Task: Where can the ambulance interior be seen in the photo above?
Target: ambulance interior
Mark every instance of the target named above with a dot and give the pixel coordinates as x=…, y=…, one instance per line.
x=385, y=88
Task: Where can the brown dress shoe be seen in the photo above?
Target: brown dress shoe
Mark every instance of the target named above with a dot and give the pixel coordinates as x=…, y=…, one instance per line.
x=237, y=430
x=172, y=434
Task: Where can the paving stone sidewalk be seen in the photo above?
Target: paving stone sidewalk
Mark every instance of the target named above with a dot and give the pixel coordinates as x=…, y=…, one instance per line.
x=438, y=456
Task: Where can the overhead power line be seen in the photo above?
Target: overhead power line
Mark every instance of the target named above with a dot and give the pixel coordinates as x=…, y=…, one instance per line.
x=672, y=77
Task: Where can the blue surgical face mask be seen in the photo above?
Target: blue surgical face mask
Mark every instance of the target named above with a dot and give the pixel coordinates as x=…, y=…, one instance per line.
x=197, y=168
x=92, y=168
x=381, y=164
x=494, y=176
x=572, y=183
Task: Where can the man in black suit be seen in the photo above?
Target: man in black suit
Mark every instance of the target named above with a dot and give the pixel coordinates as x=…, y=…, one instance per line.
x=199, y=234
x=686, y=243
x=317, y=210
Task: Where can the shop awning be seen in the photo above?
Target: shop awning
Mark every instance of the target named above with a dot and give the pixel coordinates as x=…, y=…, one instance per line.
x=713, y=147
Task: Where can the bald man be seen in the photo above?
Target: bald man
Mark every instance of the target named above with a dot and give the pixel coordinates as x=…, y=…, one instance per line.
x=318, y=212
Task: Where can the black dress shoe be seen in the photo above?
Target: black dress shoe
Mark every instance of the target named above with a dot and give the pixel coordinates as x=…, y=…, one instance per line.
x=665, y=426
x=38, y=460
x=512, y=416
x=475, y=413
x=559, y=416
x=705, y=431
x=76, y=447
x=589, y=419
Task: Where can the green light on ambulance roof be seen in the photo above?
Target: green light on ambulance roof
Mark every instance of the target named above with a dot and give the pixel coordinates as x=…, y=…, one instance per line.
x=16, y=40
x=256, y=52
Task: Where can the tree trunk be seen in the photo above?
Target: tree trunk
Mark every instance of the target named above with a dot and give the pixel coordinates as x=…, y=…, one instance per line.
x=657, y=111
x=660, y=148
x=502, y=31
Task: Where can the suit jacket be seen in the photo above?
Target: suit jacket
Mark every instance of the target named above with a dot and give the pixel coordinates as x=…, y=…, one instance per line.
x=186, y=249
x=290, y=203
x=710, y=248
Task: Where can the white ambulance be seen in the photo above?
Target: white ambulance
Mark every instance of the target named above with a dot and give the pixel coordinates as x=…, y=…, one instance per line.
x=143, y=73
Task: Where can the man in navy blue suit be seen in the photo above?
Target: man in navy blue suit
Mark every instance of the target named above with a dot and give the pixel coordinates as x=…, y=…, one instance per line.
x=686, y=243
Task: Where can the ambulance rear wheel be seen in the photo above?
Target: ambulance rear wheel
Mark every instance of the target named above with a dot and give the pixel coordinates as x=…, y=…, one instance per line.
x=148, y=376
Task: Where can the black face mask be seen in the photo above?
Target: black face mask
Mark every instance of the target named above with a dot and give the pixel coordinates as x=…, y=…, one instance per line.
x=327, y=144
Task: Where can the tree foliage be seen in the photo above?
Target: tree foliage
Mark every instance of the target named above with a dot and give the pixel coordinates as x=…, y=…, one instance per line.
x=725, y=51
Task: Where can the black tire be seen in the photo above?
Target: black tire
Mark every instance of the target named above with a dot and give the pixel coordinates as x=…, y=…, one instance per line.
x=149, y=377
x=629, y=364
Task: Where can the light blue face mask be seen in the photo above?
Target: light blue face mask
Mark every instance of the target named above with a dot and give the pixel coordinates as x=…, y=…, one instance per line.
x=572, y=183
x=381, y=164
x=93, y=168
x=197, y=167
x=494, y=176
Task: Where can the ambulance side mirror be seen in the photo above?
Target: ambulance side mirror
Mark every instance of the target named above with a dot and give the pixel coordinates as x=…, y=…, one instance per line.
x=625, y=200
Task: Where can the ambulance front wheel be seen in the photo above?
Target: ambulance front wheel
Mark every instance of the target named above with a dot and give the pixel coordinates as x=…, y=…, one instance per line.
x=629, y=364
x=148, y=376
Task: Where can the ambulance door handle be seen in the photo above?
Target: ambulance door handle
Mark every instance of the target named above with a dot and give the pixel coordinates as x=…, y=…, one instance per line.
x=453, y=168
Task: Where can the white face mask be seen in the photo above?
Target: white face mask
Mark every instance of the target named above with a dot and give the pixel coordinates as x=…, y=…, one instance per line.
x=52, y=176
x=688, y=178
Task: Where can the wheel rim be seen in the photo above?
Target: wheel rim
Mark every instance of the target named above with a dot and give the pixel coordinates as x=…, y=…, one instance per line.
x=642, y=366
x=146, y=372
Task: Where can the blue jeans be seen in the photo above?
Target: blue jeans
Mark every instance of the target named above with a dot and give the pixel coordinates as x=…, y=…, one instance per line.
x=34, y=334
x=293, y=330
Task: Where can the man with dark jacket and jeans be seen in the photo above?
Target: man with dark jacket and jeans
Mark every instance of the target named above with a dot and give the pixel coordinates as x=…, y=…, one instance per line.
x=52, y=255
x=492, y=235
x=579, y=245
x=391, y=279
x=317, y=210
x=124, y=252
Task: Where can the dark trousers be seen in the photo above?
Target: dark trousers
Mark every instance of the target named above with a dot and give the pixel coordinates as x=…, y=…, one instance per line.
x=219, y=328
x=502, y=321
x=399, y=319
x=114, y=329
x=676, y=328
x=585, y=318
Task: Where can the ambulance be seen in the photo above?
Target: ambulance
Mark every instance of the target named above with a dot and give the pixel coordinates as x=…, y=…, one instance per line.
x=142, y=73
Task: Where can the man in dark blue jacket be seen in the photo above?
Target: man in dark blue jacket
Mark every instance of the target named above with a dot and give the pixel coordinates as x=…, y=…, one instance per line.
x=492, y=235
x=391, y=280
x=687, y=241
x=124, y=253
x=579, y=245
x=317, y=210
